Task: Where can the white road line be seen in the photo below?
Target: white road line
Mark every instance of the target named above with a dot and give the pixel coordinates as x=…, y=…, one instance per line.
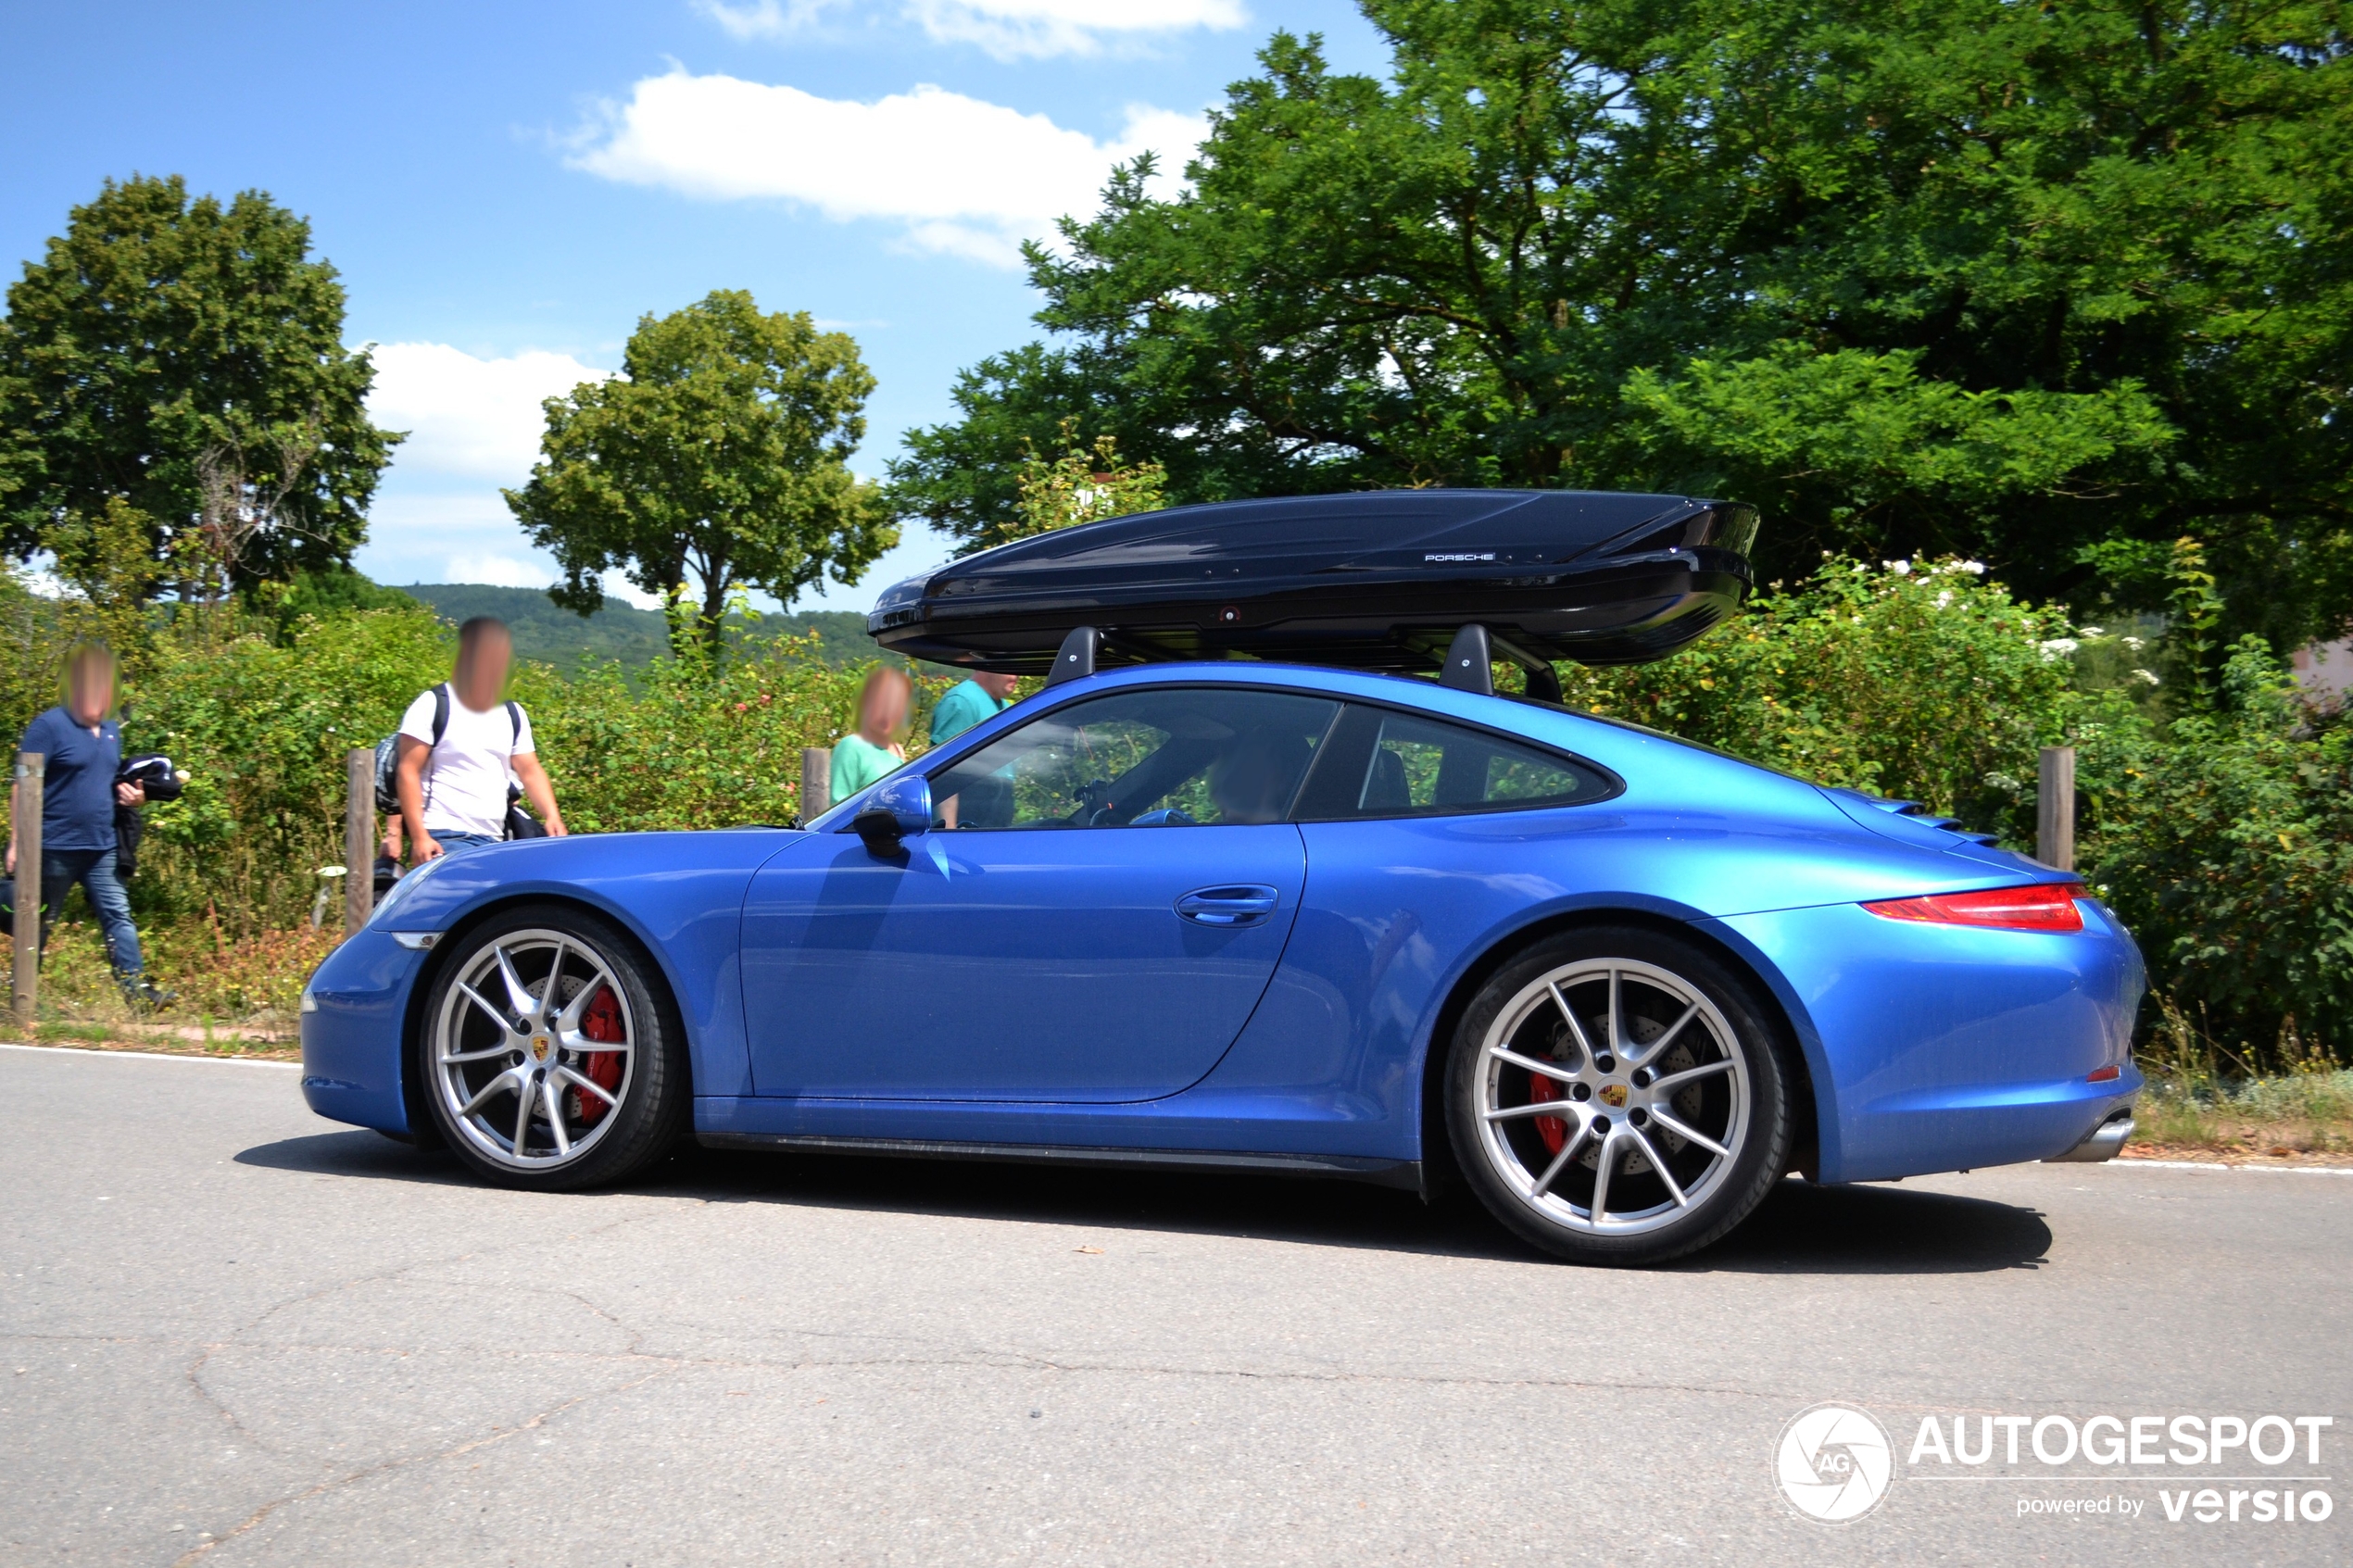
x=2023, y=1476
x=2216, y=1165
x=150, y=1056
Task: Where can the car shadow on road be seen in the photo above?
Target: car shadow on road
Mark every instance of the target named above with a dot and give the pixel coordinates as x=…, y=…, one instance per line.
x=1798, y=1229
x=1804, y=1229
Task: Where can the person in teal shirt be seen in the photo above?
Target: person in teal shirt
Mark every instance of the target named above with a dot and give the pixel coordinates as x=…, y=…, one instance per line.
x=982, y=694
x=872, y=749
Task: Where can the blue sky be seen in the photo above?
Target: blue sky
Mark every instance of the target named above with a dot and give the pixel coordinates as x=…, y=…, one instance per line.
x=507, y=187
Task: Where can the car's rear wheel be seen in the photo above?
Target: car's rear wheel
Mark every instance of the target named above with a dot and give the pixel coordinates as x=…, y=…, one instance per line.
x=548, y=1055
x=1616, y=1095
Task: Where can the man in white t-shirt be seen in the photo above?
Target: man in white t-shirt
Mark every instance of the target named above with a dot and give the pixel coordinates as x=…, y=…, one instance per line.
x=453, y=784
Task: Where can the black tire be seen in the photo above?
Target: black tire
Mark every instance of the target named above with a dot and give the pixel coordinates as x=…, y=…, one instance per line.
x=1722, y=1076
x=580, y=1129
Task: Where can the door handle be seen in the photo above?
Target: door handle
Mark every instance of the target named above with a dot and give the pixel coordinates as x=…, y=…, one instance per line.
x=1227, y=906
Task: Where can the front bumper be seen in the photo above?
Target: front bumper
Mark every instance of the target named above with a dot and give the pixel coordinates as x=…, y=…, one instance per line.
x=353, y=1028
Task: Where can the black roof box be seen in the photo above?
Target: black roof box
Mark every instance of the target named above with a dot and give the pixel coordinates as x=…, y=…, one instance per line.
x=1373, y=580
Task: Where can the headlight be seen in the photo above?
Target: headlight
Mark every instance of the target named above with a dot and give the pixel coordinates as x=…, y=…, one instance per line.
x=309, y=1002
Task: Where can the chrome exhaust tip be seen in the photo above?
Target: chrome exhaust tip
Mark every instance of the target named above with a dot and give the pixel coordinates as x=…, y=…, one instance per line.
x=2101, y=1142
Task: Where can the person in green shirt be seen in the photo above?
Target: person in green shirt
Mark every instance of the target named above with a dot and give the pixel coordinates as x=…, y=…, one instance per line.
x=982, y=694
x=872, y=749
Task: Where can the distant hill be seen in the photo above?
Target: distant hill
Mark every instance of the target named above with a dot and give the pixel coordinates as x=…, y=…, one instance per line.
x=636, y=637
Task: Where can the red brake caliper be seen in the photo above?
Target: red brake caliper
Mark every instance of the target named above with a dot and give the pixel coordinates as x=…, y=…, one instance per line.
x=1554, y=1130
x=602, y=1021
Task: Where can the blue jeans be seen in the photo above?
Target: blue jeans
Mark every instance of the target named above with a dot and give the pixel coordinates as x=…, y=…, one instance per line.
x=457, y=843
x=60, y=869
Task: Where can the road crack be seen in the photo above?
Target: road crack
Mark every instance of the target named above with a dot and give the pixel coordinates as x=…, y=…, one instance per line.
x=387, y=1467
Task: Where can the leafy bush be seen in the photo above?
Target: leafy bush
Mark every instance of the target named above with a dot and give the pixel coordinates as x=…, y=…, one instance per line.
x=696, y=744
x=2228, y=848
x=1926, y=681
x=261, y=727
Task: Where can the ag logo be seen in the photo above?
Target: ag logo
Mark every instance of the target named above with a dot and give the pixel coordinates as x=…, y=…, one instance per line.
x=1834, y=1463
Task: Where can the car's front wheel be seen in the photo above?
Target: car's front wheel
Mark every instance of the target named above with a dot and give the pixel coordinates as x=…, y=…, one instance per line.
x=548, y=1055
x=1616, y=1095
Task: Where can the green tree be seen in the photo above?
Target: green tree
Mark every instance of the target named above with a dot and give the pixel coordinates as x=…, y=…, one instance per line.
x=722, y=448
x=186, y=359
x=1083, y=484
x=2047, y=285
x=321, y=595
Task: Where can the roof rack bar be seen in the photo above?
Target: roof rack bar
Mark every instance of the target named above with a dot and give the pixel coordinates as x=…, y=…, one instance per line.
x=1470, y=664
x=1544, y=681
x=1076, y=655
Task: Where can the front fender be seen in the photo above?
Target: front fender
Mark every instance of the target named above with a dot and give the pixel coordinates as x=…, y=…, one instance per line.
x=681, y=895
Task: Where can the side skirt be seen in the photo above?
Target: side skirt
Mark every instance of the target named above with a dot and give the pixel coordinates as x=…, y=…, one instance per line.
x=1403, y=1174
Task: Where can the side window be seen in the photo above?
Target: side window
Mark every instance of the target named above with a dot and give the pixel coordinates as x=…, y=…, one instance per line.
x=1388, y=764
x=1172, y=756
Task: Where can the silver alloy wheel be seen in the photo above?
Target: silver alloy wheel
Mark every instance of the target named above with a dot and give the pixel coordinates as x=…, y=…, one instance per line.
x=1644, y=1083
x=510, y=1062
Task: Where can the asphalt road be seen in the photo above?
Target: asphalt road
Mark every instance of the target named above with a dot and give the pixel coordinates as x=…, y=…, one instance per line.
x=235, y=1334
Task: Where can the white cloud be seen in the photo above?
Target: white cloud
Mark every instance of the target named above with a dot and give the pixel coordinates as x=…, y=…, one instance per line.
x=620, y=588
x=499, y=571
x=965, y=177
x=1007, y=29
x=532, y=570
x=470, y=417
x=1012, y=29
x=416, y=527
x=768, y=19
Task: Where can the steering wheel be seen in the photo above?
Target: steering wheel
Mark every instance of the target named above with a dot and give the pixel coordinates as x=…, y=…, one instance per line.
x=1167, y=816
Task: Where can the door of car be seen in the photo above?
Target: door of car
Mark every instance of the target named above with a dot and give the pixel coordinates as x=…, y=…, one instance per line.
x=1096, y=927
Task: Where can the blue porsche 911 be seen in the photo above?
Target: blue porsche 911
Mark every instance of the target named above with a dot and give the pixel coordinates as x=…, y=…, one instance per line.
x=1257, y=914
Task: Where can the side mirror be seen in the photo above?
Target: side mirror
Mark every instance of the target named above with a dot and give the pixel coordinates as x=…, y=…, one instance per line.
x=899, y=809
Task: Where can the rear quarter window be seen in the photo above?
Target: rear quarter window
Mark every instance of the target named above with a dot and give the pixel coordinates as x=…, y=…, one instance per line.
x=1381, y=762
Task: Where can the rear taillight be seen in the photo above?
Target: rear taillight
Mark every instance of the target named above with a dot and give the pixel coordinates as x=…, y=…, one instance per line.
x=2046, y=906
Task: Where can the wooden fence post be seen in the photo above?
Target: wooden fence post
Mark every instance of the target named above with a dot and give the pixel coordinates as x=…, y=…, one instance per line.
x=32, y=769
x=816, y=782
x=2054, y=809
x=358, y=836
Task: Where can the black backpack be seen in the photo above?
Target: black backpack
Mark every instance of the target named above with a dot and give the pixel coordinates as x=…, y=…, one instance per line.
x=388, y=764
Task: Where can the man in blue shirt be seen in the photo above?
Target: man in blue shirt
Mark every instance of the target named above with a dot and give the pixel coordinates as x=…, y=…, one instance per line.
x=85, y=751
